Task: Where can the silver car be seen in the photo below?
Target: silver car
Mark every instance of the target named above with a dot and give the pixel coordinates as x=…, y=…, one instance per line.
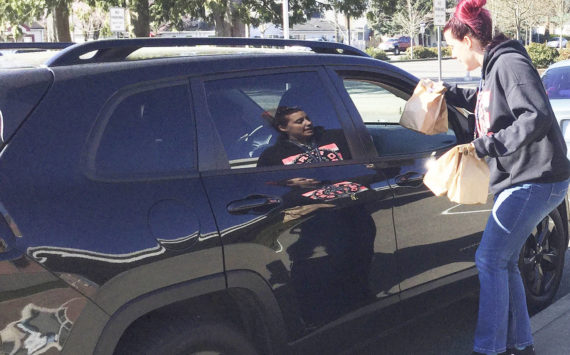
x=555, y=42
x=556, y=80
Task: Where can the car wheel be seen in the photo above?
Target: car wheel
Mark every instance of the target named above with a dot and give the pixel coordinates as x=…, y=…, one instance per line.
x=182, y=337
x=541, y=261
x=396, y=51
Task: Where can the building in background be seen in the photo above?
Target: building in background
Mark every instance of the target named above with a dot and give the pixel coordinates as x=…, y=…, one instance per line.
x=30, y=33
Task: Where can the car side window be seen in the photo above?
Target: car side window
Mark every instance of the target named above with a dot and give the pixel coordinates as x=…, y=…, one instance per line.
x=380, y=106
x=276, y=119
x=147, y=133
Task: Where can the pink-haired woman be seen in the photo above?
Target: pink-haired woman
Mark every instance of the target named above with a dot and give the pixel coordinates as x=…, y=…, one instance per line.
x=518, y=135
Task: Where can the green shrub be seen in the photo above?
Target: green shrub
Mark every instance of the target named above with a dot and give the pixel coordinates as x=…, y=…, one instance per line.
x=445, y=51
x=421, y=52
x=377, y=53
x=564, y=54
x=541, y=55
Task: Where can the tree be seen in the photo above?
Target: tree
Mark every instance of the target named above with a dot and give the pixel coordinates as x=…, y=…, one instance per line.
x=229, y=16
x=224, y=13
x=379, y=15
x=410, y=15
x=513, y=15
x=561, y=9
x=349, y=8
x=16, y=12
x=90, y=19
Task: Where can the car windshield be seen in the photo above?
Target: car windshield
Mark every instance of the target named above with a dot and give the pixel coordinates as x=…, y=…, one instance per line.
x=557, y=82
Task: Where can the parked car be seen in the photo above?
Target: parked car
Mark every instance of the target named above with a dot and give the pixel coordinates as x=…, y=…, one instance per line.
x=395, y=45
x=134, y=218
x=555, y=42
x=556, y=80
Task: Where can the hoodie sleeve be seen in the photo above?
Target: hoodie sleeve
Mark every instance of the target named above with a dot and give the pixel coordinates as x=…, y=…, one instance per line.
x=528, y=109
x=461, y=97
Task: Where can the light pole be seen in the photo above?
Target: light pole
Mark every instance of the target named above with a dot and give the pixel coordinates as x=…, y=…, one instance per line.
x=286, y=19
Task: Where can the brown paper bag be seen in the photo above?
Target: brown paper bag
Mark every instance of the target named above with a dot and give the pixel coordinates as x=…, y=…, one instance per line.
x=470, y=184
x=426, y=110
x=460, y=174
x=441, y=171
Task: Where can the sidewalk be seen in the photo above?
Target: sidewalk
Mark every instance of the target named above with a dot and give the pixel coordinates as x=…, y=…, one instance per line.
x=551, y=328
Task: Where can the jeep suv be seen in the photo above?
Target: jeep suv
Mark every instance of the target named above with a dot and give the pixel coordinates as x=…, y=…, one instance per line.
x=135, y=218
x=395, y=45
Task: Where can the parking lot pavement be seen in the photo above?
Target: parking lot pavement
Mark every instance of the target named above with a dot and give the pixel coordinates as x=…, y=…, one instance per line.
x=451, y=71
x=551, y=328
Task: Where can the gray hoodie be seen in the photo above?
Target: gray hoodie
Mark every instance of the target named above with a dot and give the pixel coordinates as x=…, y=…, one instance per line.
x=515, y=129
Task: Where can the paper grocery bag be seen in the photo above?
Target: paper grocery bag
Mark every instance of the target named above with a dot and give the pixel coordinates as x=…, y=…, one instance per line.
x=441, y=171
x=426, y=110
x=470, y=183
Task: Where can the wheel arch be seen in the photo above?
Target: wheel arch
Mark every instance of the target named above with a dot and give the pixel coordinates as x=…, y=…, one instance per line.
x=246, y=301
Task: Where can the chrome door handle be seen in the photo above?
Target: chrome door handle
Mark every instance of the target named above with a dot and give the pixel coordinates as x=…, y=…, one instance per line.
x=410, y=179
x=253, y=204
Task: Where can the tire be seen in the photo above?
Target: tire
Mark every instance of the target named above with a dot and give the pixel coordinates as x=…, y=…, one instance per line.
x=541, y=261
x=179, y=337
x=396, y=51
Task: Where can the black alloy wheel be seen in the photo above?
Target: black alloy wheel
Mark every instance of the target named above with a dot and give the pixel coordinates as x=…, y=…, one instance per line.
x=185, y=337
x=541, y=261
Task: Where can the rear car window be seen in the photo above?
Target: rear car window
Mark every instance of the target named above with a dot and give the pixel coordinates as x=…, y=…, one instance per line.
x=148, y=133
x=557, y=82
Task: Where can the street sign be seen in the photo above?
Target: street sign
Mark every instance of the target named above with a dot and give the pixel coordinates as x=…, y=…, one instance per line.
x=439, y=12
x=422, y=28
x=117, y=19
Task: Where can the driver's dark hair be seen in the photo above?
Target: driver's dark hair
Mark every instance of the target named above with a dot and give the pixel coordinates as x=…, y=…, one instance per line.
x=281, y=114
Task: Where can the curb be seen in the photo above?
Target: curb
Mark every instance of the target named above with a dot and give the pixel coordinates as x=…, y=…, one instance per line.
x=559, y=309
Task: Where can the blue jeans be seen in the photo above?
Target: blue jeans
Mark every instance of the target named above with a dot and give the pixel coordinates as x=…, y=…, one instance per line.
x=503, y=319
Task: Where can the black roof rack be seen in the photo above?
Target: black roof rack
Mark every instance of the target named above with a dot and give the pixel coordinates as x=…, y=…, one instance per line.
x=35, y=45
x=118, y=49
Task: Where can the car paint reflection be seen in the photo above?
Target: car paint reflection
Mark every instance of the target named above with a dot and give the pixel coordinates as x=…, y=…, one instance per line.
x=39, y=329
x=38, y=309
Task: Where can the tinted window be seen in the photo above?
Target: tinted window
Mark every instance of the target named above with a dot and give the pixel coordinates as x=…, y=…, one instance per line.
x=148, y=134
x=244, y=111
x=380, y=107
x=557, y=82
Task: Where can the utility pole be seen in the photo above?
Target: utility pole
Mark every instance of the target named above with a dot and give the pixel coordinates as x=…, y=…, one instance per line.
x=286, y=19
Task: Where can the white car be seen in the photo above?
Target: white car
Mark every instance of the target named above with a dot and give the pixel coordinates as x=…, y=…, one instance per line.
x=556, y=80
x=555, y=42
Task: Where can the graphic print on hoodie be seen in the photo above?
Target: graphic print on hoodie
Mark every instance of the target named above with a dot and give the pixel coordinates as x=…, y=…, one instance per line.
x=482, y=113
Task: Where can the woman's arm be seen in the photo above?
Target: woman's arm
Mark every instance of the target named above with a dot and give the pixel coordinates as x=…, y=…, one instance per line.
x=461, y=97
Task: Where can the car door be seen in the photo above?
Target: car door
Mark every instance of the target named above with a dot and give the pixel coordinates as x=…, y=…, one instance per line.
x=321, y=234
x=436, y=238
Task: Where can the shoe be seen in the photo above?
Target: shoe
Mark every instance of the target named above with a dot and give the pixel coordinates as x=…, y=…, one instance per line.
x=529, y=350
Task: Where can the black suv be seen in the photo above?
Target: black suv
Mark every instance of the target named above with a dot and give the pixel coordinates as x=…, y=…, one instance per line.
x=135, y=217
